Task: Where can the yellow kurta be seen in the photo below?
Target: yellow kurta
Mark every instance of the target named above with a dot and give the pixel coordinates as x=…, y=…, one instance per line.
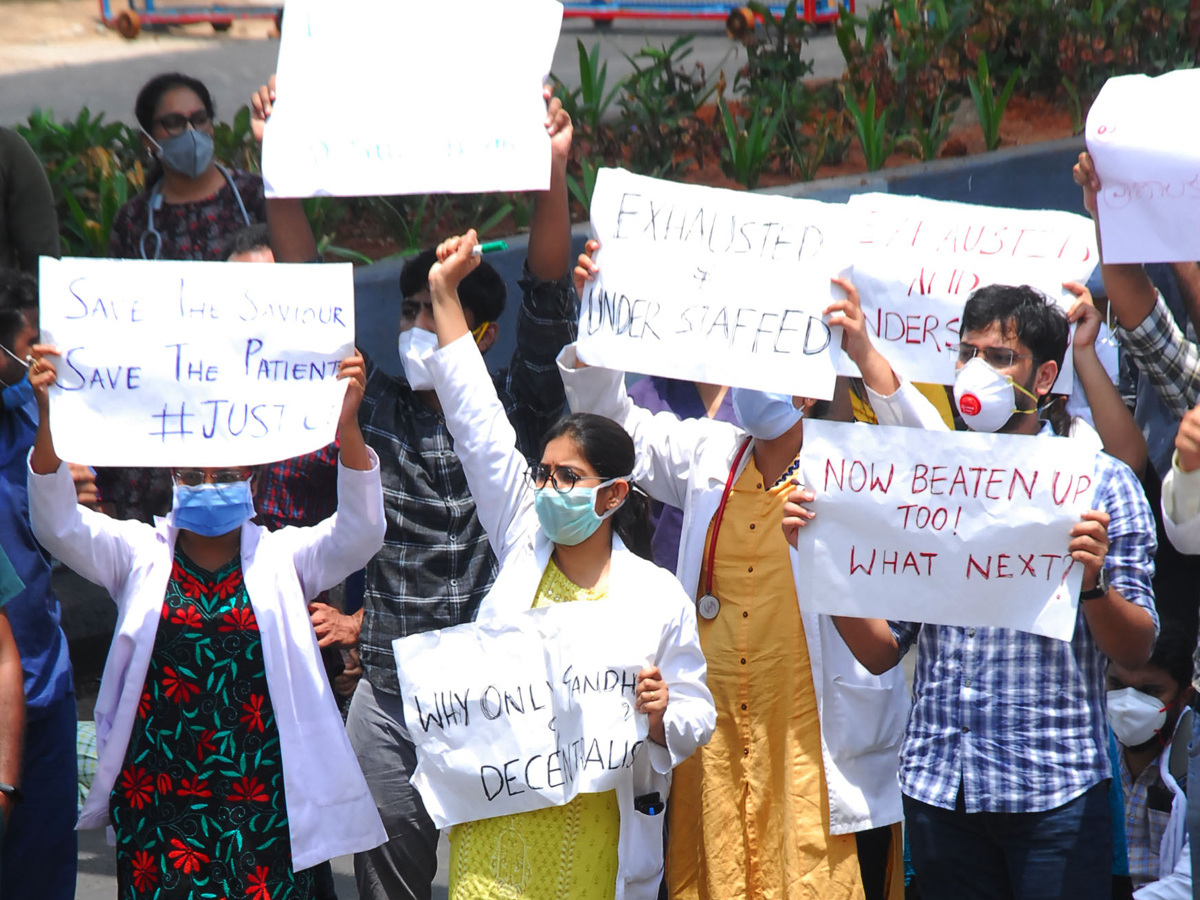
x=563, y=851
x=749, y=812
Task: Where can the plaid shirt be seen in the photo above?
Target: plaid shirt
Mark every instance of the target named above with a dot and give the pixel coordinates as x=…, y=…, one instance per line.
x=301, y=491
x=1144, y=827
x=1017, y=719
x=436, y=565
x=1165, y=356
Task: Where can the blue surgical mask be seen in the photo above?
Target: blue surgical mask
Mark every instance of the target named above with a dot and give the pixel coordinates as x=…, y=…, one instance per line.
x=569, y=519
x=765, y=416
x=189, y=153
x=212, y=509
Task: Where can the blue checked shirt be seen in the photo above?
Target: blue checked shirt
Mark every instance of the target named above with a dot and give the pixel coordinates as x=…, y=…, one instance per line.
x=1017, y=719
x=436, y=565
x=1165, y=356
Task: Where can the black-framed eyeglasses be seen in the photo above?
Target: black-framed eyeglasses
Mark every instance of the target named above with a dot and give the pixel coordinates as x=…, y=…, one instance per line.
x=562, y=478
x=996, y=357
x=197, y=477
x=175, y=123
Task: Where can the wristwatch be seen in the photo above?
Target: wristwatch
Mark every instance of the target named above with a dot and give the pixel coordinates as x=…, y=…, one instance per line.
x=1099, y=590
x=12, y=791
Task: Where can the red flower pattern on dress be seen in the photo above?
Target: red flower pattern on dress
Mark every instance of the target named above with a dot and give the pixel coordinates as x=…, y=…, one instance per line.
x=187, y=615
x=204, y=744
x=138, y=786
x=188, y=585
x=258, y=884
x=246, y=789
x=193, y=788
x=253, y=719
x=145, y=872
x=176, y=688
x=186, y=858
x=238, y=619
x=229, y=585
x=144, y=705
x=164, y=783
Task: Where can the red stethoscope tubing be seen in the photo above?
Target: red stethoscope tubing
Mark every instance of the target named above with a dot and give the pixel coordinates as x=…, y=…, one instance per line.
x=712, y=545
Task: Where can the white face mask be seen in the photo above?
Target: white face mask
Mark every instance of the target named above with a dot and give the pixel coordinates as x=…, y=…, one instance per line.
x=416, y=345
x=986, y=399
x=1135, y=717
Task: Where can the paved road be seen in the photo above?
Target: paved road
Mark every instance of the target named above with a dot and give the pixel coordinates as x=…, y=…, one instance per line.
x=232, y=68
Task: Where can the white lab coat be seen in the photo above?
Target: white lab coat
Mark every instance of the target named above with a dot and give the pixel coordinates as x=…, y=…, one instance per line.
x=486, y=445
x=863, y=716
x=329, y=807
x=1181, y=508
x=1174, y=853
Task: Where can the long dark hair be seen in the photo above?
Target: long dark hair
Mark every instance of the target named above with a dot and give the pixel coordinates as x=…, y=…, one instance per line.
x=608, y=448
x=147, y=102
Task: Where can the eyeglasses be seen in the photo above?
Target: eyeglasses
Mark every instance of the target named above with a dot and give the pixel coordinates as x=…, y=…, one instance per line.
x=562, y=478
x=175, y=123
x=197, y=477
x=996, y=357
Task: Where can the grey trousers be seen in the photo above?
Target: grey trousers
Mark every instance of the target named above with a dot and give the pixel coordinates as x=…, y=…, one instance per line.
x=405, y=866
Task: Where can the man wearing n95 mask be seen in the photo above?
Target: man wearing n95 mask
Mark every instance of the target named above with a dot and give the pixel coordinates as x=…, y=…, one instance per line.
x=1003, y=721
x=1149, y=713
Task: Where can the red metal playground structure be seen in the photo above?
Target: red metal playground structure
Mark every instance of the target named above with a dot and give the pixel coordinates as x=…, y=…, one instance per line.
x=128, y=19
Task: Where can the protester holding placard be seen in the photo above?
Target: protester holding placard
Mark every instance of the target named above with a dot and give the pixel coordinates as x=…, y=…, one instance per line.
x=567, y=529
x=191, y=207
x=435, y=566
x=986, y=740
x=221, y=752
x=39, y=852
x=796, y=795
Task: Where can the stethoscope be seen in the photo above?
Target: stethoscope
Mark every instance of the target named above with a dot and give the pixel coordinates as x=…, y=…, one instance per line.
x=156, y=202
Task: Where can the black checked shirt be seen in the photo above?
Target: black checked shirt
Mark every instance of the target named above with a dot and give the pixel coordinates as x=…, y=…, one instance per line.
x=436, y=566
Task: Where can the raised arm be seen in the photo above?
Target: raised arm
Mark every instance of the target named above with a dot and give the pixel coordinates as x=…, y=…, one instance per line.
x=484, y=438
x=291, y=235
x=12, y=711
x=90, y=543
x=1148, y=330
x=549, y=257
x=1115, y=424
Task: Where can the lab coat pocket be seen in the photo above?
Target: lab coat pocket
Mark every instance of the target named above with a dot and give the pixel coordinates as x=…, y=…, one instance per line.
x=864, y=718
x=645, y=862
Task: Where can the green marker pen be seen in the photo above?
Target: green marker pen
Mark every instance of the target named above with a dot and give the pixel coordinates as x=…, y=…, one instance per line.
x=489, y=247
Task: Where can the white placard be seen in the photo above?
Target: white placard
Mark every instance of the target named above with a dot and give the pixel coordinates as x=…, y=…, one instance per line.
x=398, y=97
x=947, y=528
x=194, y=363
x=525, y=712
x=712, y=285
x=1146, y=150
x=918, y=260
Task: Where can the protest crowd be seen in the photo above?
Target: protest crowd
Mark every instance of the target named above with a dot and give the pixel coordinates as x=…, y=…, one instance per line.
x=350, y=650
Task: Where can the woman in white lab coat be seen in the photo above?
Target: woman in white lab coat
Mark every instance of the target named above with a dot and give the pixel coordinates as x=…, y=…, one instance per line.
x=561, y=531
x=222, y=759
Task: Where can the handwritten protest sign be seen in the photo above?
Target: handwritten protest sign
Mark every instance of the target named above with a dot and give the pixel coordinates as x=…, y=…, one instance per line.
x=712, y=285
x=917, y=261
x=1146, y=149
x=380, y=97
x=194, y=363
x=947, y=528
x=524, y=713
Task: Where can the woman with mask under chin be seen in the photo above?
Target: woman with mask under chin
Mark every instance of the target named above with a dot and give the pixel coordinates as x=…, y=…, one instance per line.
x=222, y=757
x=796, y=793
x=191, y=204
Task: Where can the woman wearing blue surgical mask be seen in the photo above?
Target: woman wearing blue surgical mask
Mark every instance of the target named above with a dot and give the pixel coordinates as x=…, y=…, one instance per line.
x=191, y=204
x=567, y=529
x=795, y=796
x=221, y=753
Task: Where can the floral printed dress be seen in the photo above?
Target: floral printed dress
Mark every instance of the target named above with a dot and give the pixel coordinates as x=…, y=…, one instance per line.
x=198, y=808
